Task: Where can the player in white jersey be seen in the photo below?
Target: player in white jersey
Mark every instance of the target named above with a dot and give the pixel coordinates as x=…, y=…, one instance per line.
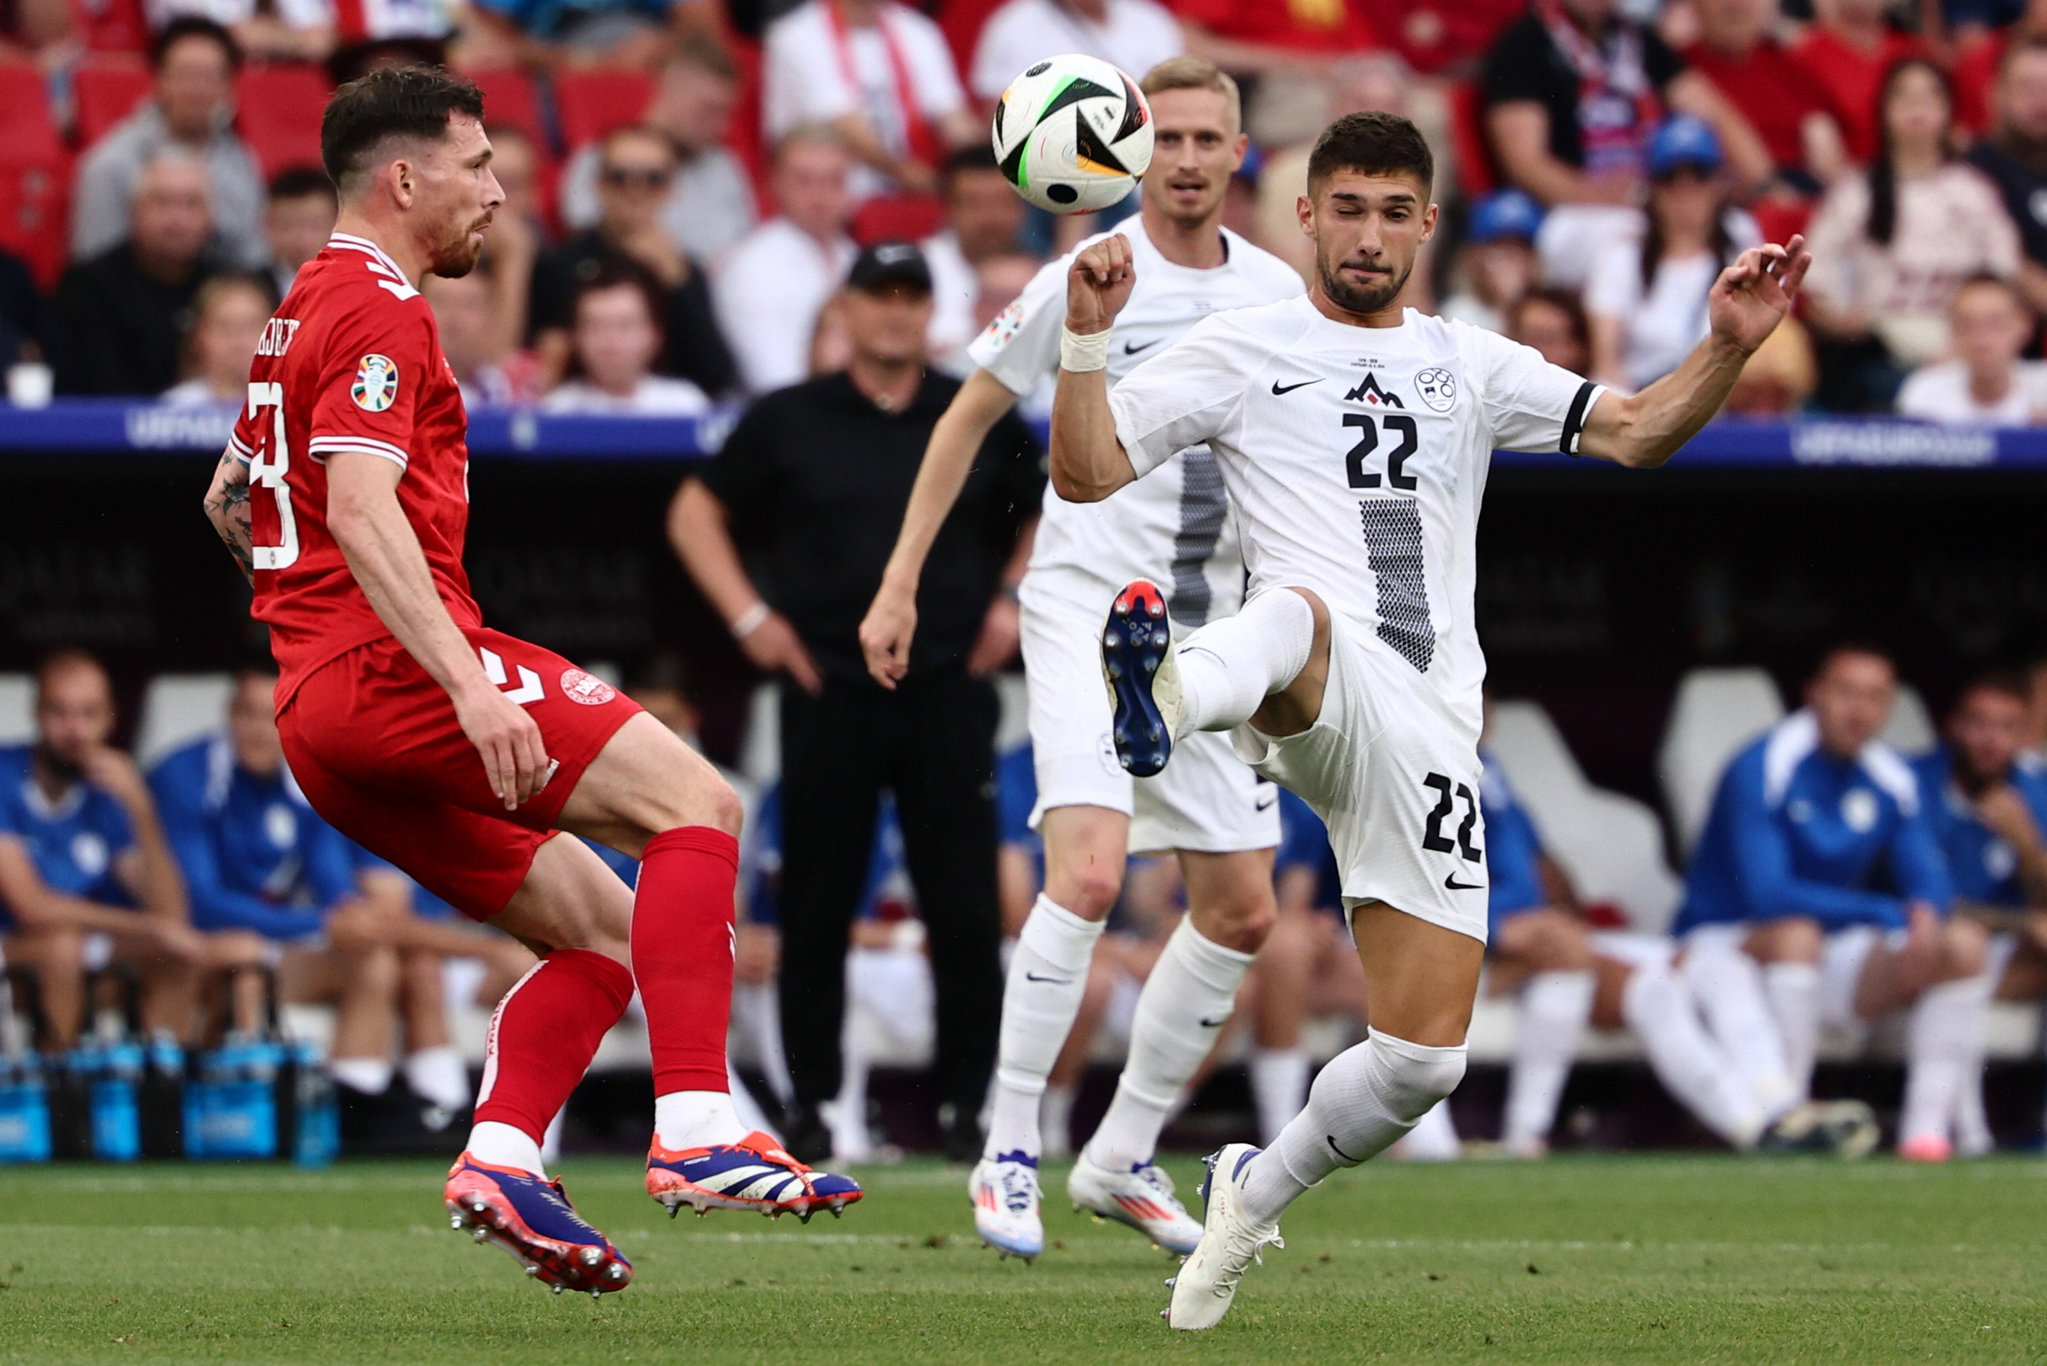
x=1211, y=808
x=1354, y=438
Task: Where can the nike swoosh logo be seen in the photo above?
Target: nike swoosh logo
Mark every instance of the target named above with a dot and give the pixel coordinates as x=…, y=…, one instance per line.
x=1266, y=800
x=1055, y=981
x=1278, y=388
x=1132, y=348
x=1330, y=1139
x=1454, y=885
x=1217, y=1023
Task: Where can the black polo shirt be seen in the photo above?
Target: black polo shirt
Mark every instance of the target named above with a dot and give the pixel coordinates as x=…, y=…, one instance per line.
x=1524, y=64
x=2024, y=186
x=817, y=476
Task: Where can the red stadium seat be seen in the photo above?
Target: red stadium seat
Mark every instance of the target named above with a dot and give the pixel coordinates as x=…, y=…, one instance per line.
x=905, y=218
x=35, y=201
x=27, y=129
x=961, y=21
x=1476, y=170
x=103, y=93
x=509, y=101
x=35, y=173
x=110, y=26
x=592, y=103
x=280, y=108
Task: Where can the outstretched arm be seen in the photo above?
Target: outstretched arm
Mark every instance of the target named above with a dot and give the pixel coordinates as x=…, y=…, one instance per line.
x=227, y=507
x=1747, y=302
x=1088, y=462
x=891, y=619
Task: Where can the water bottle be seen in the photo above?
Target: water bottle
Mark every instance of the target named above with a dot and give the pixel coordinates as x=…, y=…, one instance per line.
x=316, y=1119
x=68, y=1079
x=162, y=1097
x=114, y=1084
x=24, y=1110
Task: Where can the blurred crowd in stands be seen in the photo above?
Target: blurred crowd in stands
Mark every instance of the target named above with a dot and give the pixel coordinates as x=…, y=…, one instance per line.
x=686, y=183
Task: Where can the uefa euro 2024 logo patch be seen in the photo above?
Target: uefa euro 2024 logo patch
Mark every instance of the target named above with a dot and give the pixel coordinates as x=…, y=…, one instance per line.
x=376, y=384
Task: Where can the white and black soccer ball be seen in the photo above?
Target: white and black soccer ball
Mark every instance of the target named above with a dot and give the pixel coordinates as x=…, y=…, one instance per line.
x=1073, y=134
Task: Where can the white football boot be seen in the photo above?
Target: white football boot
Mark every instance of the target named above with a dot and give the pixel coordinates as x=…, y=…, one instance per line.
x=1141, y=1198
x=1230, y=1242
x=1005, y=1192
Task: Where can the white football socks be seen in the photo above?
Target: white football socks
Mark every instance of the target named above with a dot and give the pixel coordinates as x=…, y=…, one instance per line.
x=1659, y=1009
x=1366, y=1098
x=1047, y=978
x=1279, y=1086
x=370, y=1076
x=1433, y=1137
x=439, y=1075
x=696, y=1119
x=1727, y=988
x=1943, y=1055
x=501, y=1145
x=1229, y=667
x=1554, y=1009
x=1793, y=991
x=1186, y=1001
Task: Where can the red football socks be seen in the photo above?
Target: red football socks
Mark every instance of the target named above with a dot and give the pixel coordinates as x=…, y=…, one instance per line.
x=544, y=1034
x=682, y=954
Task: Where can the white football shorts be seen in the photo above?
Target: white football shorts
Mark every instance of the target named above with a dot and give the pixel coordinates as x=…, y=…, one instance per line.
x=1206, y=800
x=1394, y=775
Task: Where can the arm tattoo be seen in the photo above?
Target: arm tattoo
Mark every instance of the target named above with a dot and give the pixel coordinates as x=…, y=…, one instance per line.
x=228, y=510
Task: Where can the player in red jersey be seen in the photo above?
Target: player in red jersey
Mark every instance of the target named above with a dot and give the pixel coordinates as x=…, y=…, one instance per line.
x=457, y=752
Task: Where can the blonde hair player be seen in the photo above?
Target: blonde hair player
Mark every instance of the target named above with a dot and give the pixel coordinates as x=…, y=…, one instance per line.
x=1211, y=809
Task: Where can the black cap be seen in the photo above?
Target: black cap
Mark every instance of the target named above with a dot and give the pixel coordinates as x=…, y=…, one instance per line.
x=890, y=263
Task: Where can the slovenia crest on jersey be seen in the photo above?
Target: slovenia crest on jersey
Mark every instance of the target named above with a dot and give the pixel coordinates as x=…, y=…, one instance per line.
x=1437, y=388
x=376, y=383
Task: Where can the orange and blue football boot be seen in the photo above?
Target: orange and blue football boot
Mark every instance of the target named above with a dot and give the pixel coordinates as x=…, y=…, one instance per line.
x=1144, y=681
x=752, y=1174
x=531, y=1218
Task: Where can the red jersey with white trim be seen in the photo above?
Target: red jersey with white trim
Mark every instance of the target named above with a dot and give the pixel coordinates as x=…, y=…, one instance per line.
x=351, y=361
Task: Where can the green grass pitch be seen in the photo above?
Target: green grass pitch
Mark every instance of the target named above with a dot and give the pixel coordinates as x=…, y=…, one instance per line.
x=1679, y=1259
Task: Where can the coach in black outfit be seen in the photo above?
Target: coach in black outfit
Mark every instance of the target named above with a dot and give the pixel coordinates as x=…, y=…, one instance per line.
x=820, y=473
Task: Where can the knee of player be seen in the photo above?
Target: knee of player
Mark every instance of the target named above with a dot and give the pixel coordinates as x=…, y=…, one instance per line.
x=701, y=798
x=1089, y=892
x=1243, y=922
x=1412, y=1079
x=1965, y=948
x=1795, y=939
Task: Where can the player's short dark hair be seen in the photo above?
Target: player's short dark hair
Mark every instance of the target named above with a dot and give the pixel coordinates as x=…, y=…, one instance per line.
x=2010, y=682
x=300, y=182
x=1372, y=142
x=67, y=657
x=391, y=102
x=193, y=26
x=614, y=272
x=1851, y=645
x=974, y=156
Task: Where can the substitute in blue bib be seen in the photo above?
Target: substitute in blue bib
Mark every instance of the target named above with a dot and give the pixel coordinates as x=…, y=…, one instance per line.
x=255, y=855
x=1986, y=798
x=83, y=855
x=1819, y=860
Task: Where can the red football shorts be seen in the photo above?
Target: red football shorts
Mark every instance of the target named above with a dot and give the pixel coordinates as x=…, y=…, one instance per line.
x=373, y=743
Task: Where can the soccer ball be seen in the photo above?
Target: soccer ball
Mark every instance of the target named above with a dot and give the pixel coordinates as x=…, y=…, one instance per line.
x=1073, y=134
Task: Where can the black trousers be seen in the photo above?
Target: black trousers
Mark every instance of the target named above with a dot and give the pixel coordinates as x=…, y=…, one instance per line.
x=931, y=743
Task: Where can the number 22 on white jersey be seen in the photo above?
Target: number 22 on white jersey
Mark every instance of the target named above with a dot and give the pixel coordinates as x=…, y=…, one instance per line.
x=268, y=465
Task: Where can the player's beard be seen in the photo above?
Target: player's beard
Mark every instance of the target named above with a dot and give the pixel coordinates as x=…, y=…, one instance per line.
x=1358, y=298
x=457, y=257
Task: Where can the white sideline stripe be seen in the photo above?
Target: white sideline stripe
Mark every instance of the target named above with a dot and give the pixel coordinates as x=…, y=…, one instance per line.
x=915, y=1242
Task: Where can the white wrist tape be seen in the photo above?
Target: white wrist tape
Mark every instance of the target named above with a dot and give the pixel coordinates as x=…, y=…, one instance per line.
x=1080, y=352
x=749, y=621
